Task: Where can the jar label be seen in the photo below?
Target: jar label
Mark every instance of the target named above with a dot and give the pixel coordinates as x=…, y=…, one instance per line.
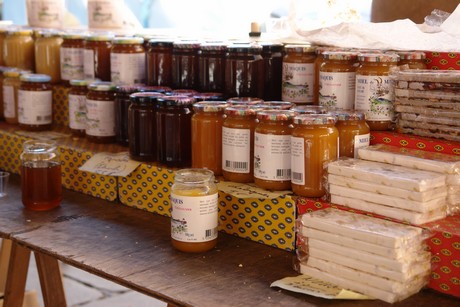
x=337, y=89
x=360, y=142
x=88, y=64
x=9, y=105
x=127, y=68
x=298, y=160
x=77, y=112
x=35, y=107
x=72, y=64
x=236, y=145
x=272, y=157
x=100, y=117
x=374, y=96
x=298, y=82
x=194, y=218
x=45, y=13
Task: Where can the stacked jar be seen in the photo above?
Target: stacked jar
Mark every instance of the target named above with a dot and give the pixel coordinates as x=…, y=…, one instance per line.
x=18, y=49
x=10, y=90
x=71, y=56
x=211, y=67
x=96, y=56
x=354, y=132
x=159, y=62
x=127, y=60
x=185, y=64
x=272, y=54
x=47, y=54
x=77, y=106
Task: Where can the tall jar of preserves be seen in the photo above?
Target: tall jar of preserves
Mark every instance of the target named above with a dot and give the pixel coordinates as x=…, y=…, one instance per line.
x=298, y=77
x=47, y=54
x=238, y=144
x=18, y=49
x=194, y=214
x=314, y=143
x=71, y=56
x=354, y=132
x=207, y=123
x=174, y=122
x=159, y=62
x=211, y=67
x=374, y=93
x=77, y=106
x=35, y=102
x=11, y=85
x=100, y=112
x=185, y=64
x=272, y=54
x=337, y=77
x=244, y=71
x=127, y=60
x=122, y=103
x=272, y=150
x=96, y=56
x=413, y=59
x=40, y=175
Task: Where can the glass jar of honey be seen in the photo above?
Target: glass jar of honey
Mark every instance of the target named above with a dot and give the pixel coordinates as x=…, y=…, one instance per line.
x=71, y=56
x=127, y=60
x=374, y=93
x=174, y=122
x=272, y=150
x=3, y=33
x=18, y=49
x=298, y=75
x=77, y=106
x=337, y=77
x=47, y=54
x=314, y=143
x=159, y=62
x=11, y=85
x=40, y=175
x=96, y=56
x=185, y=64
x=319, y=50
x=207, y=123
x=272, y=54
x=100, y=112
x=413, y=59
x=238, y=144
x=211, y=67
x=194, y=214
x=353, y=130
x=35, y=102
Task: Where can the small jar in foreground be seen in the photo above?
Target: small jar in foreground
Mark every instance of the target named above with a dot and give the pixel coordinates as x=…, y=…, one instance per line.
x=354, y=132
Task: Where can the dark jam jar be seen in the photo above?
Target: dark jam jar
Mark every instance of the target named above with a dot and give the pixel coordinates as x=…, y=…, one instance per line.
x=211, y=62
x=159, y=62
x=100, y=112
x=244, y=71
x=185, y=64
x=142, y=126
x=272, y=54
x=174, y=115
x=96, y=56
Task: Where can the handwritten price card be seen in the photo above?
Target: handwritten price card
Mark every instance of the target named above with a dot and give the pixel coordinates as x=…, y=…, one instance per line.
x=110, y=164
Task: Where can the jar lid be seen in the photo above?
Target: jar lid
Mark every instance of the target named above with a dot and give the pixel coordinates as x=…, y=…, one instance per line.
x=275, y=115
x=128, y=40
x=209, y=96
x=214, y=46
x=306, y=48
x=244, y=48
x=340, y=55
x=194, y=176
x=176, y=100
x=161, y=42
x=13, y=73
x=184, y=92
x=129, y=88
x=47, y=33
x=278, y=105
x=244, y=110
x=39, y=147
x=102, y=86
x=314, y=119
x=310, y=109
x=35, y=78
x=345, y=115
x=100, y=37
x=145, y=97
x=378, y=57
x=82, y=82
x=155, y=88
x=244, y=100
x=321, y=49
x=411, y=55
x=74, y=35
x=210, y=106
x=21, y=32
x=187, y=44
x=271, y=47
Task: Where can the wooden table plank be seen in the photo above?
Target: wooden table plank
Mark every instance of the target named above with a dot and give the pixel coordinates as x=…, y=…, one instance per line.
x=17, y=276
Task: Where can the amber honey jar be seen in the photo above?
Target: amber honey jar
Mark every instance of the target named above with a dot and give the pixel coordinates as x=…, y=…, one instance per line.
x=71, y=56
x=185, y=64
x=374, y=93
x=319, y=50
x=159, y=62
x=100, y=112
x=413, y=59
x=127, y=60
x=337, y=77
x=3, y=33
x=2, y=70
x=272, y=55
x=211, y=67
x=96, y=56
x=298, y=75
x=47, y=54
x=354, y=132
x=207, y=122
x=10, y=90
x=272, y=150
x=194, y=214
x=77, y=106
x=18, y=49
x=35, y=102
x=40, y=175
x=238, y=143
x=314, y=143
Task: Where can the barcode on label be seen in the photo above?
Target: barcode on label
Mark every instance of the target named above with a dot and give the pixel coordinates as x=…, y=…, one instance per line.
x=43, y=118
x=297, y=176
x=236, y=165
x=283, y=173
x=210, y=232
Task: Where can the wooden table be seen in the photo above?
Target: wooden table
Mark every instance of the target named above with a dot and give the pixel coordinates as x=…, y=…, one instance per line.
x=132, y=248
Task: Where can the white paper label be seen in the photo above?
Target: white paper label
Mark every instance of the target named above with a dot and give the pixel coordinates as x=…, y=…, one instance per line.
x=100, y=118
x=88, y=64
x=194, y=218
x=374, y=96
x=77, y=112
x=35, y=107
x=298, y=82
x=127, y=68
x=9, y=103
x=236, y=145
x=337, y=89
x=272, y=157
x=360, y=142
x=298, y=160
x=72, y=64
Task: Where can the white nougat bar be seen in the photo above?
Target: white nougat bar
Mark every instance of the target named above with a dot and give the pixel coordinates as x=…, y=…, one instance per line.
x=362, y=227
x=386, y=174
x=386, y=190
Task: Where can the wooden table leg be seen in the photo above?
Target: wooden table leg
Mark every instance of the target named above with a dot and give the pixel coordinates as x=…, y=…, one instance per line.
x=17, y=276
x=50, y=280
x=5, y=251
